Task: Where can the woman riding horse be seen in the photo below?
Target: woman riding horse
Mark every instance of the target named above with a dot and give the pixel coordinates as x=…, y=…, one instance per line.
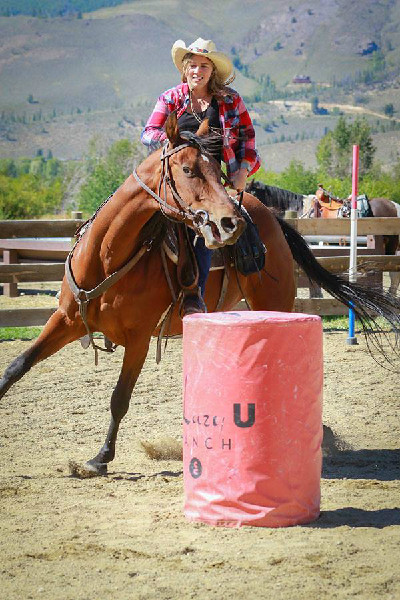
x=203, y=94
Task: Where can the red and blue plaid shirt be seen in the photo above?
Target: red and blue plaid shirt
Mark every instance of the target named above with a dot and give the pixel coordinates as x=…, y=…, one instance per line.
x=238, y=132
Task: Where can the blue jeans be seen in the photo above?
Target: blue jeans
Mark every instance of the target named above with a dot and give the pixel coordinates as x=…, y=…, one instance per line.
x=203, y=257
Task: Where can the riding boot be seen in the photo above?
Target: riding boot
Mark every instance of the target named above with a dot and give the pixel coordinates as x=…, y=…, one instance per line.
x=192, y=299
x=192, y=303
x=203, y=258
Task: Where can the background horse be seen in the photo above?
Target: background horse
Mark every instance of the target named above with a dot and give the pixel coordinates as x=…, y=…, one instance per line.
x=128, y=227
x=325, y=205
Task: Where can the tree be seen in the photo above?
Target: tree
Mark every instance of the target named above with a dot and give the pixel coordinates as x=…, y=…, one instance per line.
x=298, y=179
x=324, y=153
x=295, y=178
x=388, y=110
x=314, y=106
x=106, y=173
x=8, y=167
x=361, y=135
x=334, y=152
x=28, y=196
x=37, y=165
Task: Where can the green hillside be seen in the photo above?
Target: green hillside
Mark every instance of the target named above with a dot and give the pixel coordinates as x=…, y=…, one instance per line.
x=65, y=80
x=51, y=8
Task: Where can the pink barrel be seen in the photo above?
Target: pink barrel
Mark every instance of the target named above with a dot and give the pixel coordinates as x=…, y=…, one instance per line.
x=252, y=418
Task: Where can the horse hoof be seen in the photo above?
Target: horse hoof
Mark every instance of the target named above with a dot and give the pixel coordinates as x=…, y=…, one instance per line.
x=87, y=470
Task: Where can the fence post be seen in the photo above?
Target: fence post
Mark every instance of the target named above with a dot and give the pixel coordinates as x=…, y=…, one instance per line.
x=10, y=257
x=292, y=214
x=375, y=243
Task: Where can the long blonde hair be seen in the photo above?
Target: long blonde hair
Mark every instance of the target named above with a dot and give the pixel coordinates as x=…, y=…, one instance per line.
x=216, y=86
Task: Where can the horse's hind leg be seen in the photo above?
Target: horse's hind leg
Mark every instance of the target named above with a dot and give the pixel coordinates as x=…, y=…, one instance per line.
x=57, y=332
x=134, y=357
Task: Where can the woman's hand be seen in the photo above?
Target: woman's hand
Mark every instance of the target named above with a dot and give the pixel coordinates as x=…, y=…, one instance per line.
x=239, y=180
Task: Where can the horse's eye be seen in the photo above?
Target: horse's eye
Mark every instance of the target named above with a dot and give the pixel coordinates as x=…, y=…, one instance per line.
x=187, y=170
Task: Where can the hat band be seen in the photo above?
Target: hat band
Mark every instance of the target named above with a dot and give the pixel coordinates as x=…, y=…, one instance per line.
x=202, y=50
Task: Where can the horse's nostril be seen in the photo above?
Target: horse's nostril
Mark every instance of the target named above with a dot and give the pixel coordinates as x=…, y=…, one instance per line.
x=228, y=225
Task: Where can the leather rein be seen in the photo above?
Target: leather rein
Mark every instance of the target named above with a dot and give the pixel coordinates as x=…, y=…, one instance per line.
x=199, y=218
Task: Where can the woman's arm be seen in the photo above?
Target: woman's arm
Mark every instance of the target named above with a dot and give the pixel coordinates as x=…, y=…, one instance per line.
x=239, y=179
x=153, y=132
x=249, y=158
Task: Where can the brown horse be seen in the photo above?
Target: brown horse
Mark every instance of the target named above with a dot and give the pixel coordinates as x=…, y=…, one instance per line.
x=129, y=311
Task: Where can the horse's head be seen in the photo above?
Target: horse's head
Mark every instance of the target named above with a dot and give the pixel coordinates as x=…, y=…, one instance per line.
x=196, y=178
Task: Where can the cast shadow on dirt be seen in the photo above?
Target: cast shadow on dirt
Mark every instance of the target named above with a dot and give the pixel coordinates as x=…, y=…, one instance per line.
x=379, y=464
x=357, y=517
x=372, y=466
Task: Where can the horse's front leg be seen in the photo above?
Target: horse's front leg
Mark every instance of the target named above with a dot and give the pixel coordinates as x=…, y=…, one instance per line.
x=57, y=333
x=134, y=357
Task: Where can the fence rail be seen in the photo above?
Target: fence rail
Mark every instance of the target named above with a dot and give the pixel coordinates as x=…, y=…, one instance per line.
x=43, y=260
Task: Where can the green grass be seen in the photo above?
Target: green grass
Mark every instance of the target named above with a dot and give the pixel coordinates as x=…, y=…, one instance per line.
x=333, y=323
x=19, y=333
x=341, y=323
x=30, y=333
x=24, y=333
x=330, y=323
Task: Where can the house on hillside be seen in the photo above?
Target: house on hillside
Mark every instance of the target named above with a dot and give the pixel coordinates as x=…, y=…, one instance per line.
x=301, y=79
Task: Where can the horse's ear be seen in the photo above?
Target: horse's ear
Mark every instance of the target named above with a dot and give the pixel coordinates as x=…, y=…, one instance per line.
x=203, y=129
x=172, y=129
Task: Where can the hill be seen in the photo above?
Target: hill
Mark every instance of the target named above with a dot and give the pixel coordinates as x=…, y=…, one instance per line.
x=51, y=8
x=64, y=80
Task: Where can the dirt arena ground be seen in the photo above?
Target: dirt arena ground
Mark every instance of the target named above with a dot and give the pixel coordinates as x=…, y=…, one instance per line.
x=124, y=536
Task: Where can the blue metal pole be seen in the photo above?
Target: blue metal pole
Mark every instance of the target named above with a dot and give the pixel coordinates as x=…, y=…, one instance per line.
x=352, y=340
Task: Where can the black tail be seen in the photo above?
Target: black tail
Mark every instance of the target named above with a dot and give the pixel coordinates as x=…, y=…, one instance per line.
x=368, y=303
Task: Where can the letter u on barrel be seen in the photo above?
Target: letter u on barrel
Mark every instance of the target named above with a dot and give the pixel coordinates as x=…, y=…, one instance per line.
x=238, y=418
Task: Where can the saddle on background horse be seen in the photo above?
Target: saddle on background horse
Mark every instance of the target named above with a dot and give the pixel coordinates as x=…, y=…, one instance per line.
x=327, y=206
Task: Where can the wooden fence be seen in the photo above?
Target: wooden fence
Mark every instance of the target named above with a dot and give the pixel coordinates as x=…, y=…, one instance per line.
x=27, y=260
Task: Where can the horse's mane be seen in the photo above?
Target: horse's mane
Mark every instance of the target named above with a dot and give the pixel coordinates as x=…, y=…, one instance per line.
x=155, y=230
x=285, y=198
x=275, y=197
x=207, y=144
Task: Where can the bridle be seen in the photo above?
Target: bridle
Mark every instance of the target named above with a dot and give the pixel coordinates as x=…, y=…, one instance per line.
x=182, y=211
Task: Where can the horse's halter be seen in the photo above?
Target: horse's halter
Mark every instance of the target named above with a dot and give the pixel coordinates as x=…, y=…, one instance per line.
x=184, y=212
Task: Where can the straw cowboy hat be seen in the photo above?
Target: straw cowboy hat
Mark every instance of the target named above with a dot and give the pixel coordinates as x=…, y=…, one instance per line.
x=206, y=48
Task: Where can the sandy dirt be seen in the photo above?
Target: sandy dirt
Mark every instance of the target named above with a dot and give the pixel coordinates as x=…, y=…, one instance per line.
x=124, y=536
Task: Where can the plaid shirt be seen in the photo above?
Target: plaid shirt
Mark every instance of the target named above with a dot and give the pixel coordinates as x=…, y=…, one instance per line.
x=238, y=131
